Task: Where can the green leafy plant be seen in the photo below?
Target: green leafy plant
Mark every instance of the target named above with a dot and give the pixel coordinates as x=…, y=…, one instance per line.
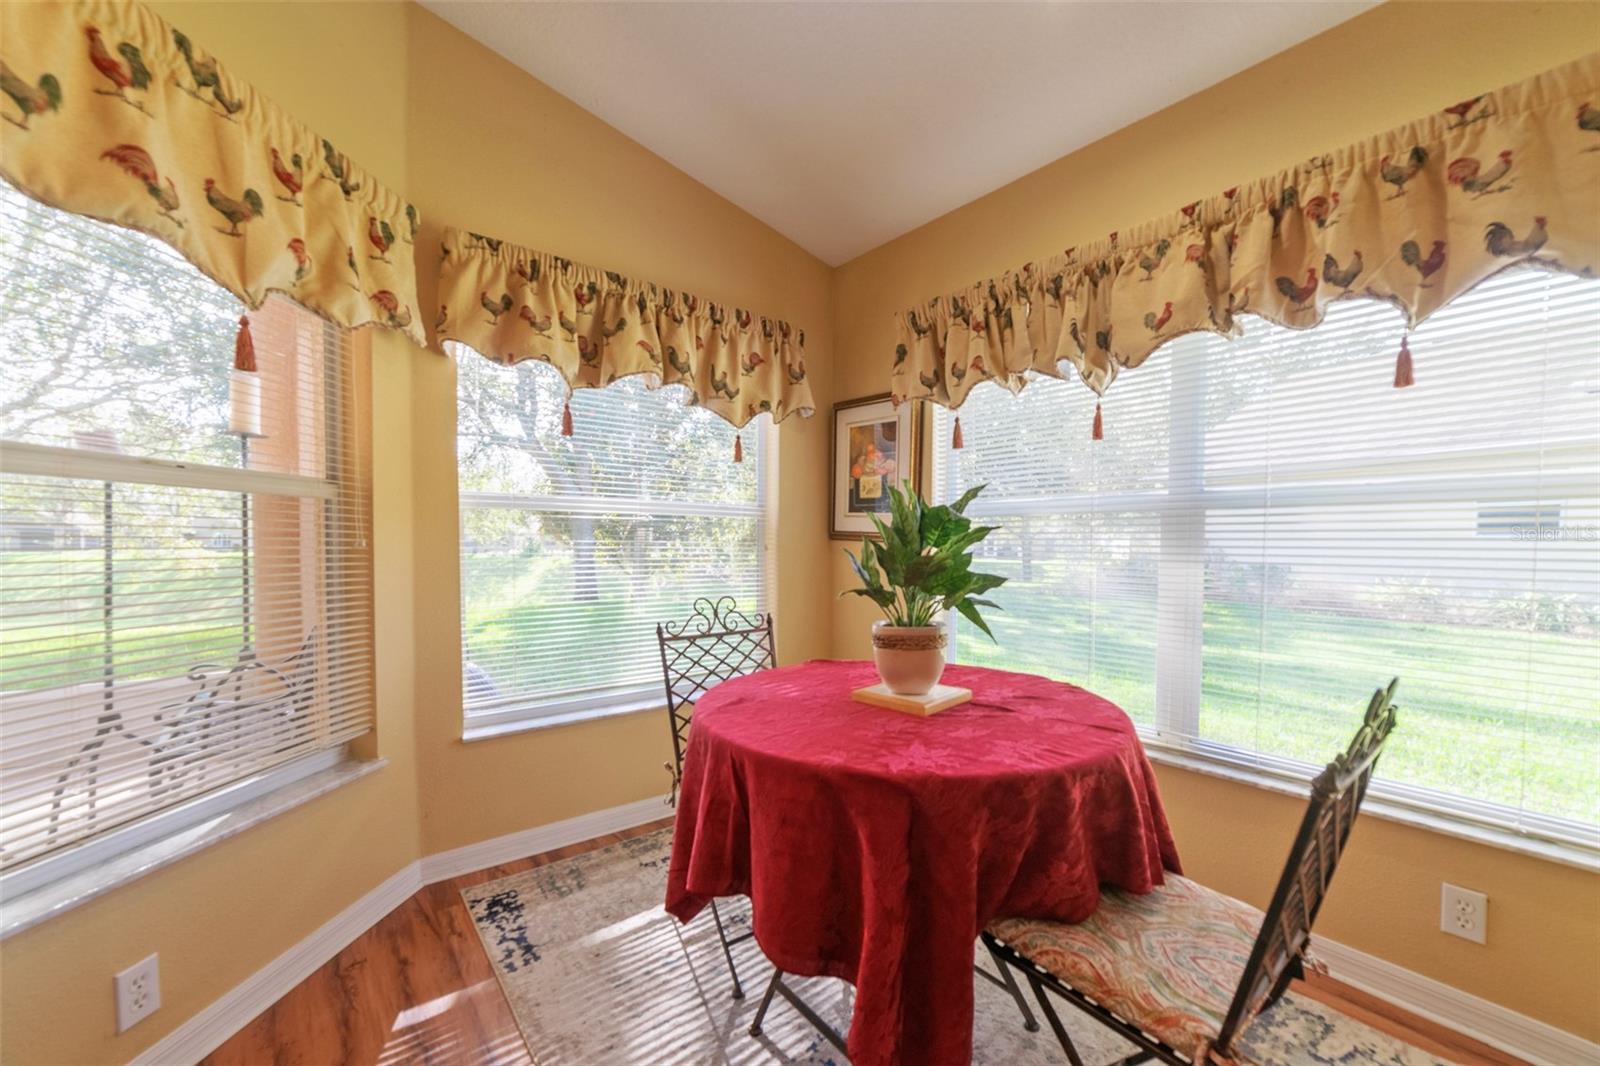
x=924, y=563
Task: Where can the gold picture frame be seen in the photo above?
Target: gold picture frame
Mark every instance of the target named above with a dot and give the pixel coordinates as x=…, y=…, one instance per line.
x=875, y=444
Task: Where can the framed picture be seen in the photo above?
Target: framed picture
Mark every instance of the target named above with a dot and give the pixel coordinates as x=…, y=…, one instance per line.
x=875, y=445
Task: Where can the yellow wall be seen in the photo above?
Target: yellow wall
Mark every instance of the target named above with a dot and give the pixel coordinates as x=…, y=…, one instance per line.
x=221, y=915
x=1384, y=68
x=571, y=184
x=472, y=140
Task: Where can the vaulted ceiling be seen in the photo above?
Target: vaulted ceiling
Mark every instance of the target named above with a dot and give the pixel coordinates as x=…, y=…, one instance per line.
x=844, y=125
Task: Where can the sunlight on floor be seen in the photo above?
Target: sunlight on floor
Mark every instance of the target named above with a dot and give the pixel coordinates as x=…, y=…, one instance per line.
x=433, y=1031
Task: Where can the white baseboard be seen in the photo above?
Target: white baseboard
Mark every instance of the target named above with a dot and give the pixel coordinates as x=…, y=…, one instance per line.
x=208, y=1030
x=1522, y=1036
x=498, y=850
x=202, y=1034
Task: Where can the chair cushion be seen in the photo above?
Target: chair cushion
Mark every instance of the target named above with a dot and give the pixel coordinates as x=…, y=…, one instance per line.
x=1168, y=961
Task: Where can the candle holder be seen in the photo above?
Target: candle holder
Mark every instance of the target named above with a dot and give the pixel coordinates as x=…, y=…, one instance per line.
x=244, y=404
x=244, y=422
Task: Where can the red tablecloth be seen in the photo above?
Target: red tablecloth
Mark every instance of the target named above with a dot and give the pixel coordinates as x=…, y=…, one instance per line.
x=876, y=845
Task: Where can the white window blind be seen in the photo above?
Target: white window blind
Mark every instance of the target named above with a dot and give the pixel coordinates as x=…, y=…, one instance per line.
x=182, y=610
x=573, y=548
x=1270, y=530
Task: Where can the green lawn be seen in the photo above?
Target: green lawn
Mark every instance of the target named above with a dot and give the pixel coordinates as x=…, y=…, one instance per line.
x=512, y=601
x=517, y=604
x=42, y=629
x=1315, y=671
x=1483, y=712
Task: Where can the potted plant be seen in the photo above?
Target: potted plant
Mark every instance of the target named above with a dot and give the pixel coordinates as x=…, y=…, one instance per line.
x=920, y=569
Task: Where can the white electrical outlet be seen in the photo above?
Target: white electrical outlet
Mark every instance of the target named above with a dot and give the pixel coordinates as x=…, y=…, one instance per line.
x=1464, y=913
x=138, y=992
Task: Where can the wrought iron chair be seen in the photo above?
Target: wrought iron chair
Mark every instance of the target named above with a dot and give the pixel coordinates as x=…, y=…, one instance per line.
x=715, y=643
x=1098, y=967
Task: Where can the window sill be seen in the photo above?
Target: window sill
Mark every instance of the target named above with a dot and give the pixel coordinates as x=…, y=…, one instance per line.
x=1379, y=807
x=533, y=721
x=41, y=904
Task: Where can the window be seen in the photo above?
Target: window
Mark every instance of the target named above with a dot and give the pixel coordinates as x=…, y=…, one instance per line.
x=184, y=613
x=1270, y=530
x=1513, y=520
x=573, y=548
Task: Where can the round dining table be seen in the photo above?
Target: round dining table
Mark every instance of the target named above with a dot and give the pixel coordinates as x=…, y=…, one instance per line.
x=875, y=845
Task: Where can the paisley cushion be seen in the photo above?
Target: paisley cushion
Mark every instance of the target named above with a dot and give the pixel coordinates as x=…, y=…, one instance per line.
x=1168, y=961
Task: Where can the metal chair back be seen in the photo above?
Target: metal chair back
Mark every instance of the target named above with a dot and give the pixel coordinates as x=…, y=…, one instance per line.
x=716, y=642
x=1336, y=796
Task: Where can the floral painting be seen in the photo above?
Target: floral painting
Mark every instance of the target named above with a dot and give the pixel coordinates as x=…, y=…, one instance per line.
x=873, y=459
x=876, y=444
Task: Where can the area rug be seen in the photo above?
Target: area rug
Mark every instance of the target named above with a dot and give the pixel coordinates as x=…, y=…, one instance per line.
x=598, y=974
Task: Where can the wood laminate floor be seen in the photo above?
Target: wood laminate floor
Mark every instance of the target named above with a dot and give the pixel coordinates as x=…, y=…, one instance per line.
x=417, y=988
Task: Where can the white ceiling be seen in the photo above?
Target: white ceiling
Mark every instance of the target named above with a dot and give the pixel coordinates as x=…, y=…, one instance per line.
x=843, y=125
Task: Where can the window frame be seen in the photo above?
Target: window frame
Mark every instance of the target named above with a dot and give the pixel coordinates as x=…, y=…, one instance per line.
x=1183, y=507
x=79, y=870
x=155, y=830
x=163, y=825
x=514, y=714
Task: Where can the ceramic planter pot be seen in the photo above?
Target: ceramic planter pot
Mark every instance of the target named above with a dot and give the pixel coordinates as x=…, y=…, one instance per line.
x=910, y=659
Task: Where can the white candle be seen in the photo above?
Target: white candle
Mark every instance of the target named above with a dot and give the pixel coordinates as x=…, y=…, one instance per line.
x=244, y=403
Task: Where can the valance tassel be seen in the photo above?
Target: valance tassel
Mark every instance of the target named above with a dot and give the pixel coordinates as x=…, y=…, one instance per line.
x=566, y=419
x=1099, y=424
x=244, y=386
x=956, y=443
x=738, y=447
x=1402, y=365
x=244, y=348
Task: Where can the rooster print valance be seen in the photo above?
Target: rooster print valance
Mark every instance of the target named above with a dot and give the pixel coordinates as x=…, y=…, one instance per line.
x=111, y=113
x=512, y=304
x=1415, y=216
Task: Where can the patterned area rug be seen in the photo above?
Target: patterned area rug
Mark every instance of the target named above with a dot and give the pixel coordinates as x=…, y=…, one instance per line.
x=598, y=974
